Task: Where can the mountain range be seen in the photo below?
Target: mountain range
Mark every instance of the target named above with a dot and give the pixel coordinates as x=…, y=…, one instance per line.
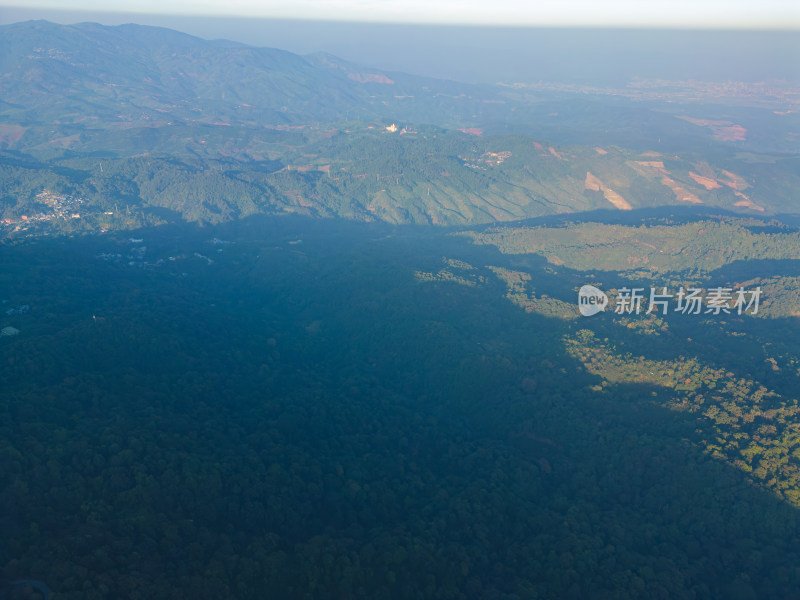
x=143, y=125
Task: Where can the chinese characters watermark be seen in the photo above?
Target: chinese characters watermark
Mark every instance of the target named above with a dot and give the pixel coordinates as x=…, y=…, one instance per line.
x=687, y=301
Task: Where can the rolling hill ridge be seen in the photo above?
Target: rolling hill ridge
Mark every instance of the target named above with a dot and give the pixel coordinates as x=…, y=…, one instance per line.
x=141, y=125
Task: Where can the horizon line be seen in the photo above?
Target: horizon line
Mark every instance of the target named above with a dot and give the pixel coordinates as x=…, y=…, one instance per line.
x=770, y=26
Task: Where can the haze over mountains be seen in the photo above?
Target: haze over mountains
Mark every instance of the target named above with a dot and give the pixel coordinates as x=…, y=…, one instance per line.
x=489, y=54
x=131, y=118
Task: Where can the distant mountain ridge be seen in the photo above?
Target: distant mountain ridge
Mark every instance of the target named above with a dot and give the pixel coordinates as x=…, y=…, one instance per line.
x=140, y=124
x=90, y=70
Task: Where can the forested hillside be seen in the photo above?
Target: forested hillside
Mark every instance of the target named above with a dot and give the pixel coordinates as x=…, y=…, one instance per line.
x=141, y=125
x=327, y=410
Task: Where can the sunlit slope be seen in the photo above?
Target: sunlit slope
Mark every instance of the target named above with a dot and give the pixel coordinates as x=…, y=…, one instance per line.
x=661, y=247
x=368, y=171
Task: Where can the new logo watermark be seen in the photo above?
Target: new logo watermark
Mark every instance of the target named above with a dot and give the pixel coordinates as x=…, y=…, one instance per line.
x=591, y=300
x=687, y=301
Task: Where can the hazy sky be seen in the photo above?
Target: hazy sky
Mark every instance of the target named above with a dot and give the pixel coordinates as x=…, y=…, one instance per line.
x=583, y=47
x=705, y=14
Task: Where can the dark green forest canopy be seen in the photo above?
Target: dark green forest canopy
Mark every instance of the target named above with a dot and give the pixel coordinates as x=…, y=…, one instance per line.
x=286, y=406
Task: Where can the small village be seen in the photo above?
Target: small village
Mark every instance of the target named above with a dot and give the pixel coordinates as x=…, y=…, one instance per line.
x=53, y=207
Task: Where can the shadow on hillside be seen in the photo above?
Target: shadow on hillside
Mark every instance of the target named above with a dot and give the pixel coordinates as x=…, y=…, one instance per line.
x=300, y=409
